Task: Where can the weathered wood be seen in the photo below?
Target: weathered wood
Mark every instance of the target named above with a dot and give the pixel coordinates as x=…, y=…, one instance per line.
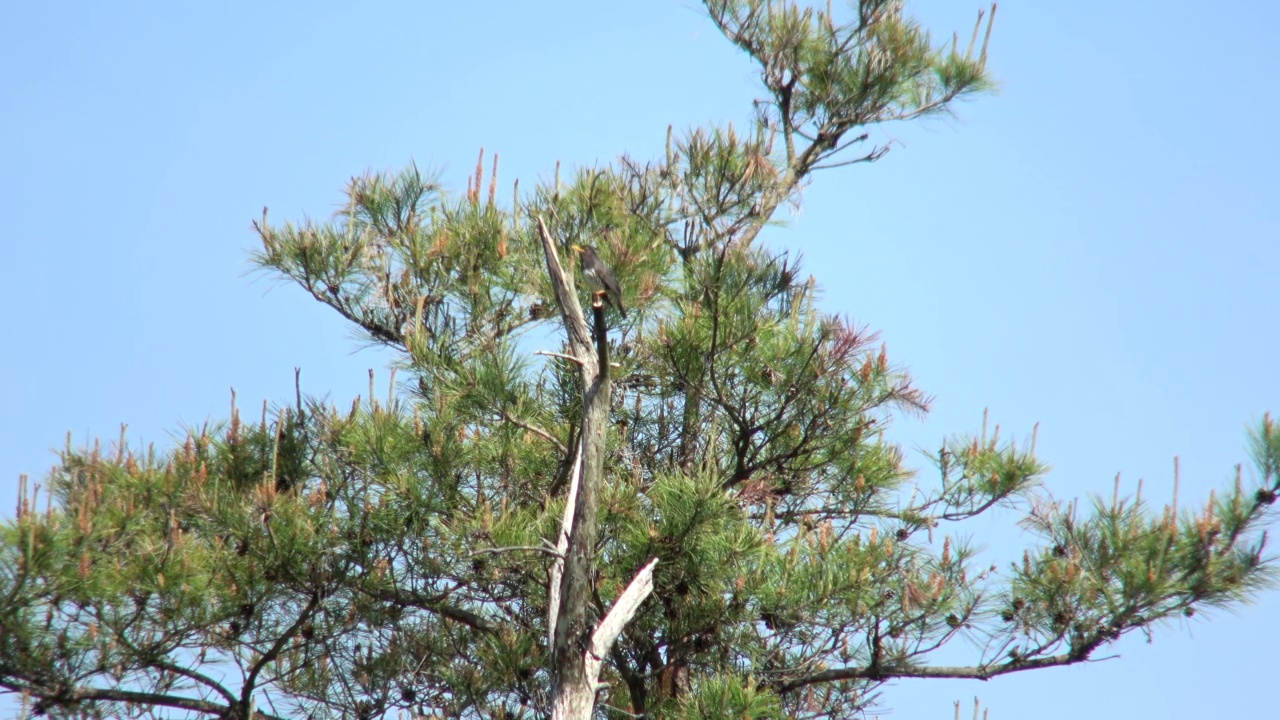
x=577, y=649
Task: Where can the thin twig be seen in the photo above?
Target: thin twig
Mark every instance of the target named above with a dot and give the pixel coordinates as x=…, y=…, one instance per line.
x=518, y=548
x=536, y=431
x=562, y=356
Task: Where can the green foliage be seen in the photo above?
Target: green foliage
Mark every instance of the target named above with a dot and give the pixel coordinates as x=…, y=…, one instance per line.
x=729, y=697
x=394, y=557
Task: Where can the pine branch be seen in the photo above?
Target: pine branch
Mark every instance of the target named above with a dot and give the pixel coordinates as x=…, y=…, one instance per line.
x=977, y=672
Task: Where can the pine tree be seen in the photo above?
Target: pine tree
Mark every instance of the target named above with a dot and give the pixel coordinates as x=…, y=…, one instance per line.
x=691, y=511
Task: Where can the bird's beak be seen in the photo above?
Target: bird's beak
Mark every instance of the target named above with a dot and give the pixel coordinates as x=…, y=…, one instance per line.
x=576, y=248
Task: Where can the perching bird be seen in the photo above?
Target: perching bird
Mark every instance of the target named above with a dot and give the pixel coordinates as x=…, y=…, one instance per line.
x=600, y=277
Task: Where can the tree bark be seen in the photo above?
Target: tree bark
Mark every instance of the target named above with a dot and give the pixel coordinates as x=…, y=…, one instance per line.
x=577, y=648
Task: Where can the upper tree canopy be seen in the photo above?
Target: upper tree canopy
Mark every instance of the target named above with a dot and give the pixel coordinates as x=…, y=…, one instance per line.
x=398, y=554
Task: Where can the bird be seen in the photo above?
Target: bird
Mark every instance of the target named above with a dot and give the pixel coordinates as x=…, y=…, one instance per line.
x=600, y=277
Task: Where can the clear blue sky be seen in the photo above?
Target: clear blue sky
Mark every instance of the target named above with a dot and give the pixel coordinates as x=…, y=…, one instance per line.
x=1094, y=248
